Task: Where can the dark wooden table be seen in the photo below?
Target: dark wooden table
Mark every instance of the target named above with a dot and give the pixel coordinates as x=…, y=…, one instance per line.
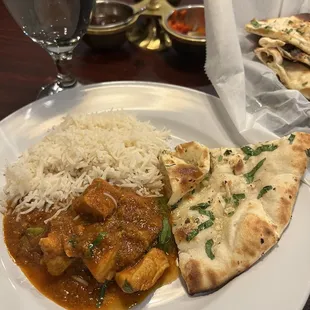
x=25, y=67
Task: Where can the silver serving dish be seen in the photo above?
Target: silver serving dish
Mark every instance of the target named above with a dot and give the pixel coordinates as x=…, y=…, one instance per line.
x=109, y=24
x=191, y=43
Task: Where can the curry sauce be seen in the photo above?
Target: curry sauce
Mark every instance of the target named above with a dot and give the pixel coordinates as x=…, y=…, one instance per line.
x=76, y=287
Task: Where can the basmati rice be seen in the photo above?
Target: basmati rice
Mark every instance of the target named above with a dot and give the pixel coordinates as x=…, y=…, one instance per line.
x=114, y=146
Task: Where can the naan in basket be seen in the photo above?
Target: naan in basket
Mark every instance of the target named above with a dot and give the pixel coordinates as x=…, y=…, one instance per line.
x=294, y=30
x=287, y=51
x=293, y=75
x=239, y=211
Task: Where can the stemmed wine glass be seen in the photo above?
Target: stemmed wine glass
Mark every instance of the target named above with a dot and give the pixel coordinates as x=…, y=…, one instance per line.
x=57, y=26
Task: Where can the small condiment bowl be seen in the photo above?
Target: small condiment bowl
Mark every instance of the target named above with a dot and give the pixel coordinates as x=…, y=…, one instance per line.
x=187, y=43
x=110, y=22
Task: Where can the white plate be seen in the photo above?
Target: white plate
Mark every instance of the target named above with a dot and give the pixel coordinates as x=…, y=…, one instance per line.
x=280, y=281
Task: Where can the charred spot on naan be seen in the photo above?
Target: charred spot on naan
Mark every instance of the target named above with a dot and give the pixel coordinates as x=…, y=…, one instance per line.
x=304, y=16
x=293, y=50
x=300, y=144
x=188, y=174
x=192, y=275
x=214, y=277
x=278, y=203
x=286, y=204
x=181, y=233
x=284, y=211
x=248, y=251
x=198, y=278
x=181, y=179
x=249, y=235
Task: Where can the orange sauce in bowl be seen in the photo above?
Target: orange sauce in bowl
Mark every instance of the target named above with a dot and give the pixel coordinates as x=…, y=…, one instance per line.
x=177, y=22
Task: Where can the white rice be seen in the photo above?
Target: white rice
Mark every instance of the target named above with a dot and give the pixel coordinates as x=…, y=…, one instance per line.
x=113, y=146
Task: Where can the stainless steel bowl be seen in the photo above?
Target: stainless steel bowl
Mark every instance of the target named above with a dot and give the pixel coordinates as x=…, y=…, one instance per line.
x=109, y=24
x=184, y=43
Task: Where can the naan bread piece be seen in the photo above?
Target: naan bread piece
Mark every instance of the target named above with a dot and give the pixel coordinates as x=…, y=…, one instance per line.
x=227, y=225
x=184, y=169
x=287, y=51
x=294, y=30
x=292, y=74
x=267, y=42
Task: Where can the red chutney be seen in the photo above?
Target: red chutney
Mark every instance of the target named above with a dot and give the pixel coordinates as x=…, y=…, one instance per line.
x=177, y=22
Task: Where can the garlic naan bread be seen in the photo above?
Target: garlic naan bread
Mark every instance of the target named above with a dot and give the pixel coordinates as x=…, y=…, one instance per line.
x=292, y=74
x=237, y=214
x=184, y=169
x=287, y=51
x=294, y=30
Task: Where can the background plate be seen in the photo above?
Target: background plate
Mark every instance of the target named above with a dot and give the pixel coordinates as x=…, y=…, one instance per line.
x=281, y=280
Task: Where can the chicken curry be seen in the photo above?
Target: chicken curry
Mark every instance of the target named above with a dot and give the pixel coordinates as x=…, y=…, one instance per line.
x=106, y=251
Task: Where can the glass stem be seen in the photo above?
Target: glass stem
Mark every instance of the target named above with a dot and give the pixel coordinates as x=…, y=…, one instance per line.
x=63, y=63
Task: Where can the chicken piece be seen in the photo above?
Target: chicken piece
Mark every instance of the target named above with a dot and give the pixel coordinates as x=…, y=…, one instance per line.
x=57, y=265
x=141, y=222
x=102, y=267
x=98, y=200
x=52, y=245
x=69, y=241
x=144, y=274
x=53, y=254
x=126, y=235
x=97, y=246
x=131, y=250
